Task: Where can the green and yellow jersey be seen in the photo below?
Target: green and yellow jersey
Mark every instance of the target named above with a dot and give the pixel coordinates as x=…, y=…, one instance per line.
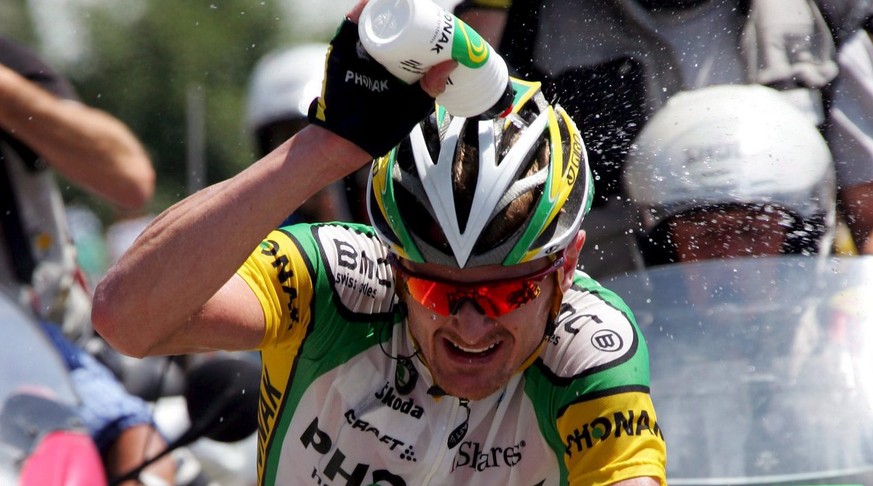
x=345, y=400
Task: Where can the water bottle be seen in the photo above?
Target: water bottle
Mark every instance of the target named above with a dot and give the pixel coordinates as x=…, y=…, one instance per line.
x=410, y=36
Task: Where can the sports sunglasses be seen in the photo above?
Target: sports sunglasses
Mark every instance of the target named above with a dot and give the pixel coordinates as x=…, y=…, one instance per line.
x=492, y=298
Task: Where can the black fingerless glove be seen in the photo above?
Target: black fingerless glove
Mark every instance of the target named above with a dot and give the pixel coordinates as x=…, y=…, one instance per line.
x=364, y=103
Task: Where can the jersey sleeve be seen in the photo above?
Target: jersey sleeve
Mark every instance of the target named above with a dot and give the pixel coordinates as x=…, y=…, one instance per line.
x=278, y=274
x=612, y=438
x=598, y=365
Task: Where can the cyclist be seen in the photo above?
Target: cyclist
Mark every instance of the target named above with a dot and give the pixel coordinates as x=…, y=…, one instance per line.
x=450, y=343
x=729, y=171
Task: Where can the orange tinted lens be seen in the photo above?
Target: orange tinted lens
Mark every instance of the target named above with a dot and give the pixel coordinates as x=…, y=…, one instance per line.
x=493, y=300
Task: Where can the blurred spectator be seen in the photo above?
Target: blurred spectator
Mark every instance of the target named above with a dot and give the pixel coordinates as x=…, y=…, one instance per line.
x=612, y=64
x=282, y=86
x=88, y=237
x=42, y=126
x=729, y=171
x=123, y=232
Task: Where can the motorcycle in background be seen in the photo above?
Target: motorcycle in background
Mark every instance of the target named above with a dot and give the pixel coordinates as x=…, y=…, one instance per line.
x=43, y=440
x=760, y=368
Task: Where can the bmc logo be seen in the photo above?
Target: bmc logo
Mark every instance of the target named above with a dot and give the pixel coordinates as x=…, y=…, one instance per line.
x=606, y=340
x=358, y=271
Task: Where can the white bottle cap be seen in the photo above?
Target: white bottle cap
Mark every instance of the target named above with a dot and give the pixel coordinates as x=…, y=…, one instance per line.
x=408, y=37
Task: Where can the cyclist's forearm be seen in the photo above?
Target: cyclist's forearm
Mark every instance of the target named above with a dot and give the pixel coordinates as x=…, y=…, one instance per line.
x=191, y=250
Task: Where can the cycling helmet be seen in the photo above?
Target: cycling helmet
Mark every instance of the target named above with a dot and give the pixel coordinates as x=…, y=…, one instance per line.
x=726, y=146
x=527, y=190
x=283, y=84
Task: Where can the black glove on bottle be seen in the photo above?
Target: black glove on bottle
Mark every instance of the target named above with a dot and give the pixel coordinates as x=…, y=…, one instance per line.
x=361, y=101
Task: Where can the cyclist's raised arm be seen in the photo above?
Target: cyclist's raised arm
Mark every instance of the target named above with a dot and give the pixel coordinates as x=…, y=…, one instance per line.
x=191, y=250
x=176, y=276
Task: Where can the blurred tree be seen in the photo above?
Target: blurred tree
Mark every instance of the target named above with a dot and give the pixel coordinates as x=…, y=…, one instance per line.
x=14, y=20
x=145, y=59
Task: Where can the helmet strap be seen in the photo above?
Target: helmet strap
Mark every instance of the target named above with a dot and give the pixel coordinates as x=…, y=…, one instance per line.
x=557, y=300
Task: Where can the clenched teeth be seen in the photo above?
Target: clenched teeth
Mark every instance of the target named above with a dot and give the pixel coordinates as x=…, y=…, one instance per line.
x=474, y=350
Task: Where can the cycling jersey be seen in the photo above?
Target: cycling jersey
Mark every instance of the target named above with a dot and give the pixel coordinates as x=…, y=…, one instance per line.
x=345, y=400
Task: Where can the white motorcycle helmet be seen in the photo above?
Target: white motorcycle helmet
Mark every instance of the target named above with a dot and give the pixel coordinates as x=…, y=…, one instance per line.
x=729, y=146
x=281, y=87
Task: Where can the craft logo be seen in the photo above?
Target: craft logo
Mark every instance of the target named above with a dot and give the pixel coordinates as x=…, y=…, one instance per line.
x=405, y=451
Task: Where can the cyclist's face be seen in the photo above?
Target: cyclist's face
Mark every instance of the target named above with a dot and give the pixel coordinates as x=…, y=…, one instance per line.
x=470, y=354
x=727, y=233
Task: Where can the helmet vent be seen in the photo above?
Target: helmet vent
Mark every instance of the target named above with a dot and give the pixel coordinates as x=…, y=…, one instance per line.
x=441, y=195
x=467, y=149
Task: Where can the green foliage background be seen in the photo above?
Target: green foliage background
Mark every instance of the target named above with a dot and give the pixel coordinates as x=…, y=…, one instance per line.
x=173, y=48
x=144, y=57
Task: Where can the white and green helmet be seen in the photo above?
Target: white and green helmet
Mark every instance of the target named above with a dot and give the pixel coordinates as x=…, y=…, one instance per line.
x=421, y=212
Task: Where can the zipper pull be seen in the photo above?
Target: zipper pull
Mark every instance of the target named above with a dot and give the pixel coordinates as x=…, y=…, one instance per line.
x=460, y=431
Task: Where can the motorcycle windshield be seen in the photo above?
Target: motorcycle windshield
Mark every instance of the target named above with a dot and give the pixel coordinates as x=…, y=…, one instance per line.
x=29, y=363
x=760, y=367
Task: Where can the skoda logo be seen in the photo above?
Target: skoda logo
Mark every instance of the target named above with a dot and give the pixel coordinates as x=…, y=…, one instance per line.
x=606, y=340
